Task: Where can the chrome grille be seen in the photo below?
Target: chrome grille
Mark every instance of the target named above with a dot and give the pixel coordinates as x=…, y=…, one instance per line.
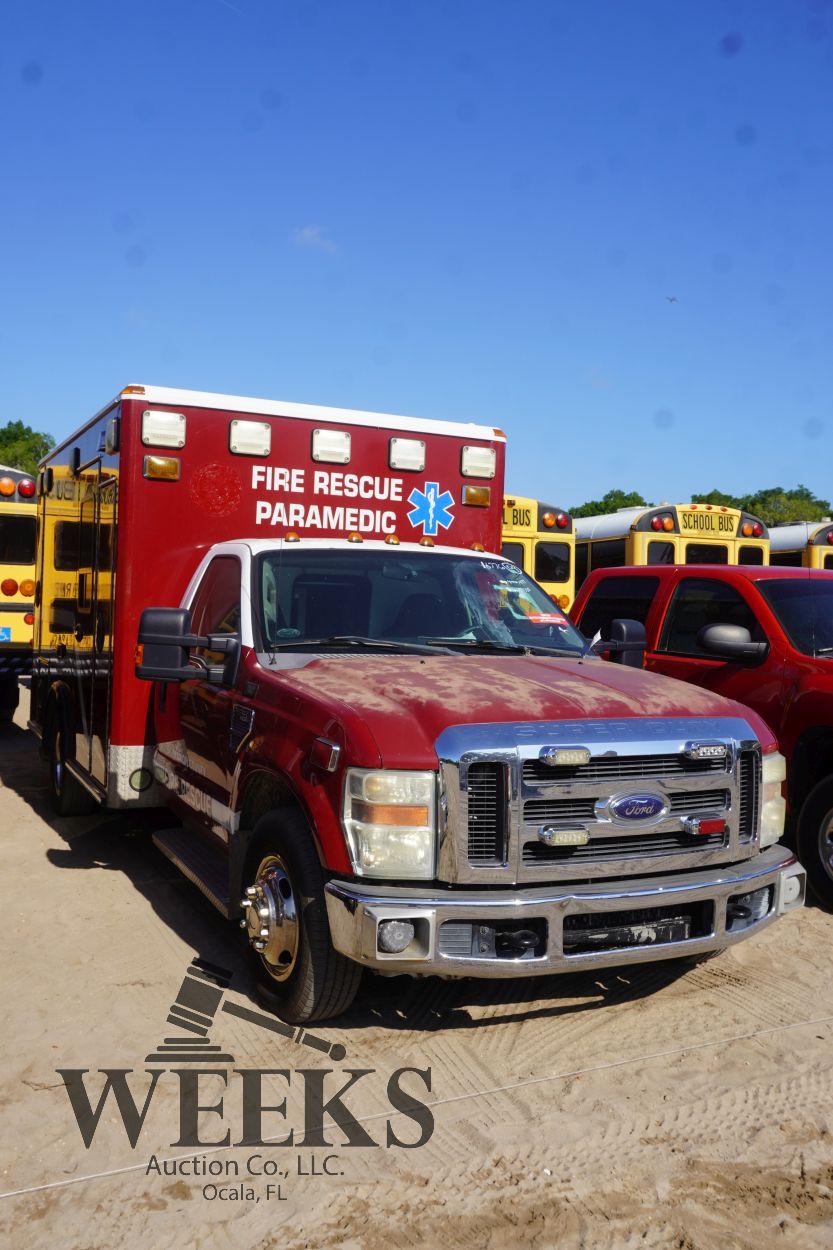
x=682, y=802
x=600, y=849
x=621, y=768
x=486, y=812
x=748, y=794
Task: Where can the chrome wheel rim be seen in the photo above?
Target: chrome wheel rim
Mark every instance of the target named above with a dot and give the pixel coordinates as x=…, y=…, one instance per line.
x=826, y=843
x=270, y=917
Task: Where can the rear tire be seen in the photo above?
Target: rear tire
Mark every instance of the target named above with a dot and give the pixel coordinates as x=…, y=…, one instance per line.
x=815, y=840
x=69, y=798
x=299, y=975
x=9, y=698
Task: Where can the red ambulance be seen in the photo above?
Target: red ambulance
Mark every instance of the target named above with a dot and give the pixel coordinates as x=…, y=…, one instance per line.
x=380, y=743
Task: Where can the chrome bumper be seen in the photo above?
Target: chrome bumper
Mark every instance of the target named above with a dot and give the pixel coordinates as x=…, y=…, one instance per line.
x=356, y=909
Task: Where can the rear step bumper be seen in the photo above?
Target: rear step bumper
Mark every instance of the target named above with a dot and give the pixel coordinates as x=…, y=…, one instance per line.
x=528, y=932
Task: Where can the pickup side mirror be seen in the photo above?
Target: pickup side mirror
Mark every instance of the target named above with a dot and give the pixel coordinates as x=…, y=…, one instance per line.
x=731, y=642
x=165, y=642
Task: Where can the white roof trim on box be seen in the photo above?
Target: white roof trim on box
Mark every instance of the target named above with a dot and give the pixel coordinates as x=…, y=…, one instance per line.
x=309, y=412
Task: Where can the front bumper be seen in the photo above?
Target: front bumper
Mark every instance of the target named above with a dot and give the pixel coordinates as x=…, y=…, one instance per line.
x=355, y=911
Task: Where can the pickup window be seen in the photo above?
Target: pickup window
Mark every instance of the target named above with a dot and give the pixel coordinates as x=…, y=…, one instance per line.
x=615, y=598
x=697, y=602
x=805, y=610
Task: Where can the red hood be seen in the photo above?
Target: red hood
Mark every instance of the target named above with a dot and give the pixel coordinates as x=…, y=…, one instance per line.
x=406, y=702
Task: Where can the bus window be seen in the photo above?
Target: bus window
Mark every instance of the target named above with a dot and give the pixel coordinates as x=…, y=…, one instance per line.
x=828, y=561
x=581, y=562
x=617, y=598
x=608, y=553
x=514, y=552
x=552, y=562
x=706, y=553
x=792, y=558
x=17, y=540
x=750, y=555
x=661, y=553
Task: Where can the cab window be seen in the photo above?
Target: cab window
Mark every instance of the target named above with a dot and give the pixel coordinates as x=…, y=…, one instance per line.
x=697, y=602
x=216, y=605
x=514, y=552
x=617, y=598
x=552, y=562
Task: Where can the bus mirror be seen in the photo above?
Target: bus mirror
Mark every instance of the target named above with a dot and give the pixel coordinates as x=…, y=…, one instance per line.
x=629, y=639
x=731, y=642
x=164, y=639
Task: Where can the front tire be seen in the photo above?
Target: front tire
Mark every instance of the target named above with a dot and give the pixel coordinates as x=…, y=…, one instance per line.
x=298, y=972
x=815, y=840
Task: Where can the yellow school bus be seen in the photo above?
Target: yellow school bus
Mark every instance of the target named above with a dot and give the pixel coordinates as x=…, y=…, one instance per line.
x=803, y=544
x=539, y=538
x=683, y=533
x=17, y=583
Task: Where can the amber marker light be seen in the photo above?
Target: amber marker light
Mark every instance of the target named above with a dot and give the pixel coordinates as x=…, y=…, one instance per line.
x=477, y=547
x=389, y=814
x=392, y=540
x=355, y=538
x=426, y=542
x=133, y=390
x=746, y=529
x=161, y=468
x=6, y=486
x=291, y=536
x=548, y=519
x=477, y=496
x=668, y=523
x=27, y=587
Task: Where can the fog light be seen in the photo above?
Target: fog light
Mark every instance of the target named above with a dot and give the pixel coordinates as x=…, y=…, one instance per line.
x=791, y=890
x=395, y=935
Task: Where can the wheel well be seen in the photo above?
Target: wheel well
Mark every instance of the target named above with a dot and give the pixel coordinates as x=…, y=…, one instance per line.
x=265, y=792
x=812, y=760
x=58, y=704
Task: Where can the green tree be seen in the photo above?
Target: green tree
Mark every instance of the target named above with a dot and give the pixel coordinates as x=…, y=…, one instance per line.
x=21, y=447
x=611, y=502
x=774, y=505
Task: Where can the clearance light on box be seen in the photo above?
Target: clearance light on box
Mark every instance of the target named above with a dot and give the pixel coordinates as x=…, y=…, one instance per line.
x=407, y=453
x=250, y=438
x=163, y=429
x=161, y=468
x=331, y=446
x=478, y=462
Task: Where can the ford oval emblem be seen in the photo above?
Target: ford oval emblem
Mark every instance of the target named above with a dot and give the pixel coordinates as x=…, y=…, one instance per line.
x=638, y=807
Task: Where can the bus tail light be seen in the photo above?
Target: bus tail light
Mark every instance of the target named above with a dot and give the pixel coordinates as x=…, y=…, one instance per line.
x=27, y=588
x=6, y=486
x=656, y=523
x=29, y=618
x=757, y=530
x=26, y=488
x=9, y=586
x=563, y=601
x=746, y=529
x=548, y=519
x=830, y=537
x=562, y=521
x=668, y=523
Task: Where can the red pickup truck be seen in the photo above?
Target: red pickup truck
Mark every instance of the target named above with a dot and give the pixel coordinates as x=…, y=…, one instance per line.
x=763, y=636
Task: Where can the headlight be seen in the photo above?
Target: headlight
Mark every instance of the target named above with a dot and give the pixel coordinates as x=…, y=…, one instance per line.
x=774, y=807
x=390, y=822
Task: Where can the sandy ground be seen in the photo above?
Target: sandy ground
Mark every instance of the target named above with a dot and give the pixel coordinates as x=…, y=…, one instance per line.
x=666, y=1106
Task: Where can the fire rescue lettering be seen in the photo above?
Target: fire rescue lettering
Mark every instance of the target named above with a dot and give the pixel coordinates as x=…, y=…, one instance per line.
x=296, y=514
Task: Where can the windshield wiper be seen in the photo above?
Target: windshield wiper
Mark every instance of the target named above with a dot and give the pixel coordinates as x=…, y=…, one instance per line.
x=358, y=640
x=478, y=644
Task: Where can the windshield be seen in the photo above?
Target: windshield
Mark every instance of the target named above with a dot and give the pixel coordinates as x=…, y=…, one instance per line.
x=804, y=607
x=405, y=598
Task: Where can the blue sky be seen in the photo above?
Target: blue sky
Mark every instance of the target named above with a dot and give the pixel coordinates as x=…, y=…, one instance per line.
x=468, y=209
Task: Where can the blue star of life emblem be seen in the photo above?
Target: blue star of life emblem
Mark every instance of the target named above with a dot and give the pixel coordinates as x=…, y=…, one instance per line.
x=431, y=509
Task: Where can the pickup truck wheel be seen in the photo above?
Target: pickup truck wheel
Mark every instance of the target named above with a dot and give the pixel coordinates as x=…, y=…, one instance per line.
x=69, y=798
x=815, y=840
x=298, y=973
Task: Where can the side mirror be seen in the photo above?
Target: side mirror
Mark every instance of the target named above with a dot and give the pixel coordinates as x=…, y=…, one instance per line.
x=731, y=642
x=165, y=642
x=629, y=639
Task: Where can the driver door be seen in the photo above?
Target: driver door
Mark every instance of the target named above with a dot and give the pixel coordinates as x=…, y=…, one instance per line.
x=206, y=762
